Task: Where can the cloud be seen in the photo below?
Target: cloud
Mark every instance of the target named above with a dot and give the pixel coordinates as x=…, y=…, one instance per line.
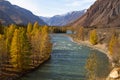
x=76, y=3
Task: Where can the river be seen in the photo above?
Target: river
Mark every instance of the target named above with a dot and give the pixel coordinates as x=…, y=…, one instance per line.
x=67, y=61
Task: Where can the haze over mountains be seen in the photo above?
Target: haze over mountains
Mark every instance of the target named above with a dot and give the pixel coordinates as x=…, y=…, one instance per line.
x=103, y=13
x=14, y=14
x=62, y=20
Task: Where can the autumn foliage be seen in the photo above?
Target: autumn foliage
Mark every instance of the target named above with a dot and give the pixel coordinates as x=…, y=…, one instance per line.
x=23, y=48
x=93, y=37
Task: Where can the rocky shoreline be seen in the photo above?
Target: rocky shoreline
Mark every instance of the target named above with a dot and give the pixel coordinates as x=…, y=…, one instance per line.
x=114, y=74
x=100, y=47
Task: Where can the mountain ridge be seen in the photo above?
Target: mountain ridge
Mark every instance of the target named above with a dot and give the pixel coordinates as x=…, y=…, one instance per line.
x=103, y=13
x=62, y=20
x=14, y=14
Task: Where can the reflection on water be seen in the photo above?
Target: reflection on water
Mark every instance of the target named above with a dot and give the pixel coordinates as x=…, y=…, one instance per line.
x=67, y=61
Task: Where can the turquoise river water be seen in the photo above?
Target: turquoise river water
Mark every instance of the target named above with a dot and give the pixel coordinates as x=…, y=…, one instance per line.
x=67, y=61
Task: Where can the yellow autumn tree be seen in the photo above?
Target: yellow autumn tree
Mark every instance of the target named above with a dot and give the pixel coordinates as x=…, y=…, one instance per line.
x=15, y=50
x=2, y=52
x=112, y=43
x=20, y=50
x=91, y=66
x=80, y=33
x=36, y=44
x=93, y=37
x=35, y=27
x=46, y=45
x=29, y=28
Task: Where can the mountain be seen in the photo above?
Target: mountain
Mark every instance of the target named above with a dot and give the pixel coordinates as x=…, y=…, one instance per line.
x=61, y=20
x=103, y=13
x=14, y=14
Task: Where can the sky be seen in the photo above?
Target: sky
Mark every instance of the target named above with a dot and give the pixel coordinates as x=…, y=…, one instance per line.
x=49, y=8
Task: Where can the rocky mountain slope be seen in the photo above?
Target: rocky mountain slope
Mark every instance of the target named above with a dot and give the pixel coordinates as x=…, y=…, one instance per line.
x=61, y=20
x=103, y=13
x=14, y=14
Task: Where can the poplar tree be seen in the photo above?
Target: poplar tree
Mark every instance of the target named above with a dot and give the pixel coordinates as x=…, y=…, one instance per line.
x=112, y=43
x=93, y=37
x=20, y=50
x=9, y=35
x=45, y=43
x=80, y=33
x=2, y=52
x=25, y=50
x=29, y=28
x=35, y=27
x=15, y=51
x=91, y=66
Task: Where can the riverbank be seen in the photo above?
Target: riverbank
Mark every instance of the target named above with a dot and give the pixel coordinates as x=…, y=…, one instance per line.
x=100, y=47
x=17, y=75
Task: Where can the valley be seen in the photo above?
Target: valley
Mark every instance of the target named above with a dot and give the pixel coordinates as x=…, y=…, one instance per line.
x=60, y=40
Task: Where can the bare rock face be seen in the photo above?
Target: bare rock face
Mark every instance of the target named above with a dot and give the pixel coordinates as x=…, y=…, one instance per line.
x=103, y=13
x=114, y=74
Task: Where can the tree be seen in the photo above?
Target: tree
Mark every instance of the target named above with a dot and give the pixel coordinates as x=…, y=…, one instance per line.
x=91, y=67
x=112, y=43
x=2, y=52
x=93, y=37
x=36, y=44
x=9, y=35
x=15, y=50
x=116, y=54
x=20, y=50
x=29, y=31
x=46, y=45
x=25, y=49
x=80, y=33
x=29, y=28
x=35, y=27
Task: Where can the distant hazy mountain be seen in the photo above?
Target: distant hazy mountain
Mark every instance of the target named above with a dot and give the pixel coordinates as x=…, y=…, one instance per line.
x=14, y=14
x=103, y=13
x=61, y=20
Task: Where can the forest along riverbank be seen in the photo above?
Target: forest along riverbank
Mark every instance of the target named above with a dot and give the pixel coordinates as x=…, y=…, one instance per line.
x=67, y=62
x=23, y=49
